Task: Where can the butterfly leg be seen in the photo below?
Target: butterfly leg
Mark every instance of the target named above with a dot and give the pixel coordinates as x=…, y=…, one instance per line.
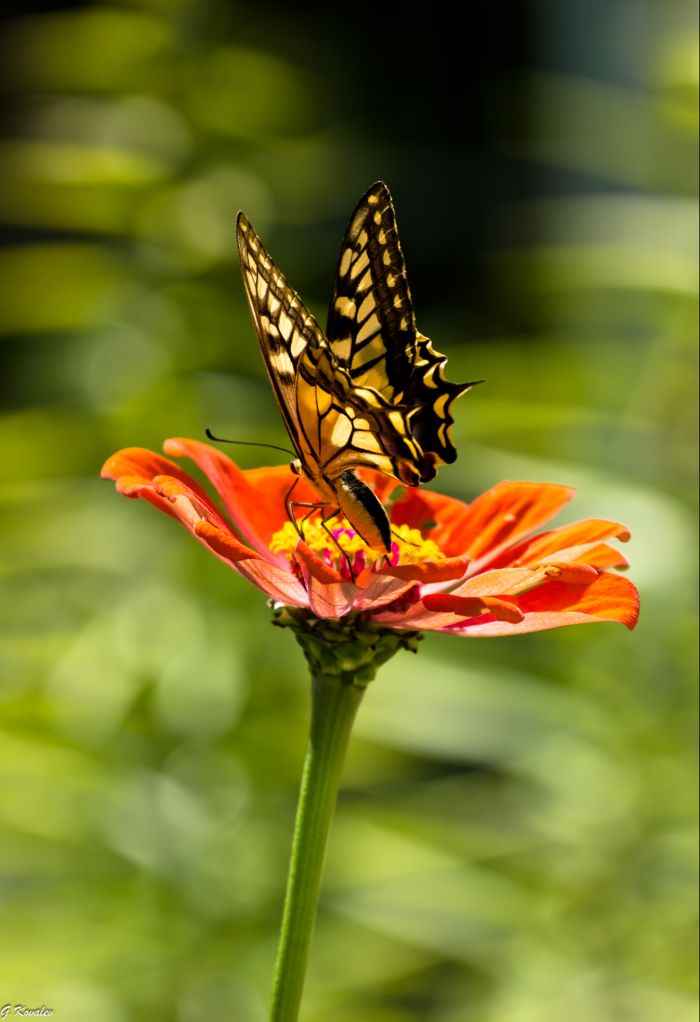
x=292, y=504
x=299, y=526
x=408, y=542
x=324, y=525
x=387, y=557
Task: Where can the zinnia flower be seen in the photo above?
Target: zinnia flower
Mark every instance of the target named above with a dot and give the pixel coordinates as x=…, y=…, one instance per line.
x=468, y=569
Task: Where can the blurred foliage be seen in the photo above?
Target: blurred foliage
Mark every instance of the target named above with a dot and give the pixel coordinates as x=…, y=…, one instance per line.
x=515, y=841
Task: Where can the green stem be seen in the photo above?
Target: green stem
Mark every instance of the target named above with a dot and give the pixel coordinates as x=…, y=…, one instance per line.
x=334, y=705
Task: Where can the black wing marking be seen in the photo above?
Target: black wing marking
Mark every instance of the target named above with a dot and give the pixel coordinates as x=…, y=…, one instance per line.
x=340, y=432
x=371, y=323
x=373, y=392
x=372, y=331
x=284, y=326
x=430, y=397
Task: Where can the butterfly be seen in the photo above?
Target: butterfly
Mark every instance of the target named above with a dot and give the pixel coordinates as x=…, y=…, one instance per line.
x=370, y=392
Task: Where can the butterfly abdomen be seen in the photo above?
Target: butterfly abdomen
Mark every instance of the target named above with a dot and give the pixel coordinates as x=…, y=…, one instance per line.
x=363, y=510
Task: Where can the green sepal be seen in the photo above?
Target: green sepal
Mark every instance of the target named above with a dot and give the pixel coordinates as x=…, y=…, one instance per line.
x=351, y=648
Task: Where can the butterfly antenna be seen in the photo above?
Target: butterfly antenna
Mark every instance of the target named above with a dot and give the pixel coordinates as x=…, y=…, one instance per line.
x=248, y=443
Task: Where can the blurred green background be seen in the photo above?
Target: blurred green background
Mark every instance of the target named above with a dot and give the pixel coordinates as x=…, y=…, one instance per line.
x=515, y=840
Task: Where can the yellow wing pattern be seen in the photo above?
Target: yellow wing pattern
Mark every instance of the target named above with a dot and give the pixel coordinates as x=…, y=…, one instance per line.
x=372, y=331
x=371, y=324
x=331, y=427
x=371, y=391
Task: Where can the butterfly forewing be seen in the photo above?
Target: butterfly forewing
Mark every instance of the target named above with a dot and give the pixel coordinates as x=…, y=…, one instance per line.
x=334, y=424
x=372, y=331
x=371, y=324
x=284, y=325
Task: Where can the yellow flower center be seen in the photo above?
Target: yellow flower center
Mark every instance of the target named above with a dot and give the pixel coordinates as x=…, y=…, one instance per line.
x=341, y=547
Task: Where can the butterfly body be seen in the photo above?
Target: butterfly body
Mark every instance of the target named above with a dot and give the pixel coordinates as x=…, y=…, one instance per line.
x=367, y=393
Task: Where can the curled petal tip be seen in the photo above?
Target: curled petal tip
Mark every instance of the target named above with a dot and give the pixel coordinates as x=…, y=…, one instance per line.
x=576, y=573
x=474, y=606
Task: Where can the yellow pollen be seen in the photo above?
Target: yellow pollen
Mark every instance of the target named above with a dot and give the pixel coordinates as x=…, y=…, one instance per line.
x=407, y=545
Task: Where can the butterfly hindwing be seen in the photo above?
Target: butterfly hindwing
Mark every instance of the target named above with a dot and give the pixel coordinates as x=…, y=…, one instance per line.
x=372, y=331
x=431, y=397
x=341, y=430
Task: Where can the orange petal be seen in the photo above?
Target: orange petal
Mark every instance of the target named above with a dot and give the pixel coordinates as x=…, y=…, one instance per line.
x=224, y=544
x=595, y=555
x=587, y=533
x=141, y=473
x=329, y=595
x=330, y=601
x=500, y=582
x=315, y=565
x=507, y=513
x=473, y=606
x=504, y=583
x=435, y=611
x=134, y=463
x=271, y=486
x=604, y=556
x=136, y=488
x=556, y=604
x=574, y=571
x=609, y=597
x=254, y=500
x=494, y=521
x=180, y=498
x=138, y=462
x=449, y=570
x=435, y=515
x=269, y=578
x=378, y=590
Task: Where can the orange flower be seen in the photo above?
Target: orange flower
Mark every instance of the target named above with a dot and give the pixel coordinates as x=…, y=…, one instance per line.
x=468, y=569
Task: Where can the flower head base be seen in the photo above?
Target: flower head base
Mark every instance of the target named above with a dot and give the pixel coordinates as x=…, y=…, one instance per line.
x=342, y=549
x=474, y=569
x=350, y=649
